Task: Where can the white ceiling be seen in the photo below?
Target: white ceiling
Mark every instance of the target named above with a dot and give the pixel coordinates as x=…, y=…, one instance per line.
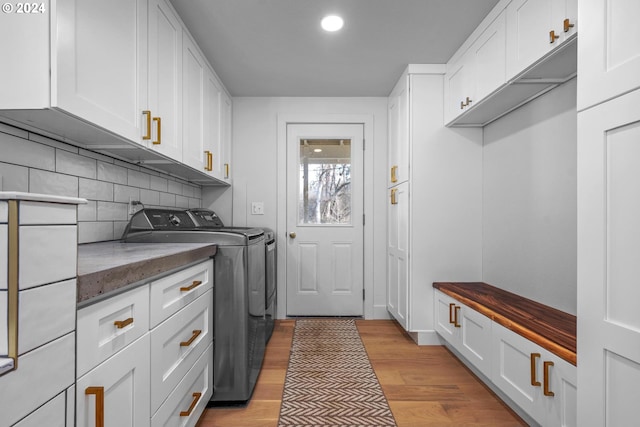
x=276, y=47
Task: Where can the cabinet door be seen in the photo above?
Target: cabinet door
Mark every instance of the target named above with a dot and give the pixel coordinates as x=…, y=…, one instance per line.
x=398, y=116
x=445, y=318
x=398, y=254
x=528, y=25
x=99, y=63
x=561, y=407
x=165, y=79
x=193, y=79
x=489, y=56
x=460, y=86
x=225, y=134
x=608, y=295
x=609, y=51
x=121, y=386
x=514, y=373
x=475, y=338
x=212, y=142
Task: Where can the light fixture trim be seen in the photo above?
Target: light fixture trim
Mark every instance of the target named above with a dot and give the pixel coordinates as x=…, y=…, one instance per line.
x=332, y=23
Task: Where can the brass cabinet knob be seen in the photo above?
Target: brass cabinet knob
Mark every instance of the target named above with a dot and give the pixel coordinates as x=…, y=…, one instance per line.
x=292, y=235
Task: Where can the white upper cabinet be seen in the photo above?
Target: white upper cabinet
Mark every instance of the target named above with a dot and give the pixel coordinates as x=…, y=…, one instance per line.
x=163, y=122
x=212, y=146
x=193, y=94
x=226, y=110
x=609, y=54
x=536, y=27
x=398, y=113
x=99, y=68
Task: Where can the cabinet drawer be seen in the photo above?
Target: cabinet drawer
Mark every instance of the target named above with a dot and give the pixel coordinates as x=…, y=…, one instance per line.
x=98, y=335
x=198, y=380
x=32, y=213
x=172, y=353
x=171, y=293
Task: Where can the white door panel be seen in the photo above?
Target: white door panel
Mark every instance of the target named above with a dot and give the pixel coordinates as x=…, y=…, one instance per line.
x=324, y=220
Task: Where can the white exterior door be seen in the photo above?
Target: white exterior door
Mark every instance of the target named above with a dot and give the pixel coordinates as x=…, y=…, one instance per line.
x=608, y=267
x=325, y=219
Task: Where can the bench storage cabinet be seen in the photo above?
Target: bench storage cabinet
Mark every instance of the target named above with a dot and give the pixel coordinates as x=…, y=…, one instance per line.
x=525, y=350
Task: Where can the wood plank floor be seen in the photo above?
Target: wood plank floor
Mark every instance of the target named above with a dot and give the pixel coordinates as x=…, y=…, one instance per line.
x=425, y=386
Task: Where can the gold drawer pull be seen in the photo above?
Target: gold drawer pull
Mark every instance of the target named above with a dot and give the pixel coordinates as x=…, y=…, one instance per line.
x=456, y=310
x=158, y=140
x=394, y=200
x=99, y=393
x=451, y=306
x=195, y=284
x=209, y=166
x=192, y=339
x=534, y=380
x=148, y=135
x=547, y=392
x=122, y=323
x=194, y=402
x=394, y=174
x=567, y=25
x=226, y=170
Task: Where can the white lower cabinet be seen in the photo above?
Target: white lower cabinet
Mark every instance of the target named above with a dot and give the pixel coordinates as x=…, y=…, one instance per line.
x=542, y=384
x=136, y=373
x=466, y=330
x=189, y=399
x=116, y=393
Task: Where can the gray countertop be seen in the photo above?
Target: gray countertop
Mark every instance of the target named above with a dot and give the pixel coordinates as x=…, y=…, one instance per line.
x=108, y=266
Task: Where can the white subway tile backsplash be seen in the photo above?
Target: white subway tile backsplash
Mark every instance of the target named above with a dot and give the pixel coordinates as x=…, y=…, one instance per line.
x=149, y=197
x=182, y=202
x=88, y=211
x=175, y=187
x=138, y=179
x=52, y=142
x=158, y=183
x=52, y=183
x=95, y=190
x=38, y=164
x=110, y=211
x=22, y=152
x=123, y=193
x=112, y=173
x=167, y=199
x=95, y=231
x=75, y=164
x=14, y=178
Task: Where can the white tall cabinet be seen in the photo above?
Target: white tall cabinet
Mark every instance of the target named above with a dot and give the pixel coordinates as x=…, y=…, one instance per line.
x=608, y=212
x=434, y=200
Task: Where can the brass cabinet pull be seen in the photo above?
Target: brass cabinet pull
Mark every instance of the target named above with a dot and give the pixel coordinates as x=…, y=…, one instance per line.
x=547, y=392
x=534, y=381
x=122, y=323
x=209, y=166
x=13, y=281
x=394, y=173
x=456, y=310
x=394, y=200
x=148, y=135
x=191, y=286
x=451, y=305
x=159, y=127
x=469, y=101
x=190, y=340
x=99, y=393
x=226, y=170
x=462, y=105
x=567, y=25
x=552, y=36
x=194, y=402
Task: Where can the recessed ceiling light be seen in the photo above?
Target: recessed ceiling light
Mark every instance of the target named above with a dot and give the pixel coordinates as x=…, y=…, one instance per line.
x=317, y=150
x=332, y=23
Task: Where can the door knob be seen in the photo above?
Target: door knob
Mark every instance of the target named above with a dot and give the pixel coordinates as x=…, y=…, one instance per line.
x=292, y=235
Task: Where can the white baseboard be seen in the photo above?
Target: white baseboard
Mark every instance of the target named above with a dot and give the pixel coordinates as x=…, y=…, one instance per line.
x=426, y=338
x=380, y=312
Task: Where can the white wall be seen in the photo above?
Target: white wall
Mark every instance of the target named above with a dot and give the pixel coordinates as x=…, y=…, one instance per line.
x=255, y=173
x=529, y=200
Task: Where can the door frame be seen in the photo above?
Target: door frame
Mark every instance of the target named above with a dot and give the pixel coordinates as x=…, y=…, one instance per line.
x=366, y=120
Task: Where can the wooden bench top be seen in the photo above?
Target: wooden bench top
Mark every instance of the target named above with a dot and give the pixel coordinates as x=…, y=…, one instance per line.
x=548, y=327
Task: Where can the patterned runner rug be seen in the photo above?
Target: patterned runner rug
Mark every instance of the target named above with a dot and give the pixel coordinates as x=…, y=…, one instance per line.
x=330, y=381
